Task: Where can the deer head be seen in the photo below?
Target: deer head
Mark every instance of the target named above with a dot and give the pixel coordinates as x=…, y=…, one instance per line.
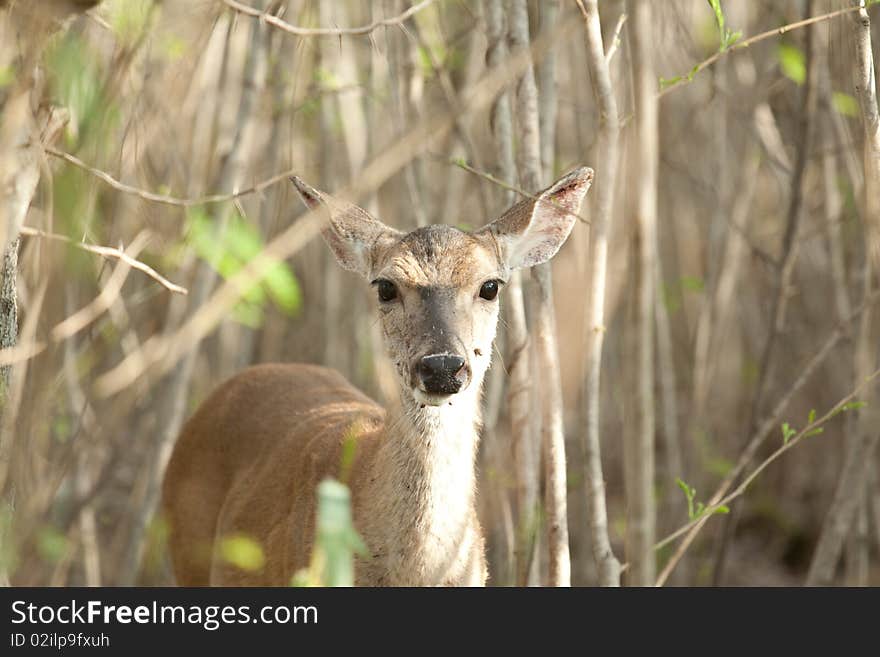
x=438, y=286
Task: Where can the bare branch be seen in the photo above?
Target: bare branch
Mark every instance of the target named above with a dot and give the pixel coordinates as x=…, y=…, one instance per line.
x=274, y=21
x=757, y=439
x=108, y=252
x=721, y=500
x=514, y=188
x=163, y=198
x=89, y=313
x=615, y=39
x=745, y=43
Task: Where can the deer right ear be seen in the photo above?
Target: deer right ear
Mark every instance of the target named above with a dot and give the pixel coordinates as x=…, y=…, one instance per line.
x=351, y=232
x=532, y=231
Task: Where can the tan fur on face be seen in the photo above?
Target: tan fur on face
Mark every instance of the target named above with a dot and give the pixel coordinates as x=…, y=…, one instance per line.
x=438, y=271
x=439, y=256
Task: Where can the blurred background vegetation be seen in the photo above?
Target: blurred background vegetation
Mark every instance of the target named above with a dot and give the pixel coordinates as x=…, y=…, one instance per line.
x=174, y=102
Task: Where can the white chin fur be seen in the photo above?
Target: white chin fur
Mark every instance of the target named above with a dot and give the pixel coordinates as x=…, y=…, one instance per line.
x=428, y=399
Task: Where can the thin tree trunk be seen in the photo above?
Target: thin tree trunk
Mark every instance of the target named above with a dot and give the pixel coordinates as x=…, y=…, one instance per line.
x=338, y=57
x=399, y=86
x=858, y=545
x=20, y=152
x=853, y=476
x=789, y=252
x=547, y=97
x=517, y=337
x=718, y=240
x=8, y=311
x=553, y=428
x=87, y=522
x=866, y=91
x=639, y=445
x=520, y=385
x=857, y=460
x=606, y=177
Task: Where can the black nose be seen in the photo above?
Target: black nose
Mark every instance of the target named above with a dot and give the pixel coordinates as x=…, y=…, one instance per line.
x=442, y=374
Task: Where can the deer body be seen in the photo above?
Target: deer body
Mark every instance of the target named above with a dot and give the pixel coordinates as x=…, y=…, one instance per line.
x=234, y=472
x=249, y=461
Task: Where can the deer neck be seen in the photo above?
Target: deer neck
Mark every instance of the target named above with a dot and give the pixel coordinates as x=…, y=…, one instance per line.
x=424, y=487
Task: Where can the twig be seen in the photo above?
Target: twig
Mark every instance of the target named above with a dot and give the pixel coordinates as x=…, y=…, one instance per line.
x=163, y=198
x=108, y=252
x=751, y=41
x=722, y=500
x=90, y=312
x=615, y=39
x=757, y=439
x=274, y=21
x=513, y=188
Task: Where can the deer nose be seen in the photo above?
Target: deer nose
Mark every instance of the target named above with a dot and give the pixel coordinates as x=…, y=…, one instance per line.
x=442, y=373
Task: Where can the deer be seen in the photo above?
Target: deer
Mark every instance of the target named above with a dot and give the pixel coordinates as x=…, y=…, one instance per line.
x=249, y=461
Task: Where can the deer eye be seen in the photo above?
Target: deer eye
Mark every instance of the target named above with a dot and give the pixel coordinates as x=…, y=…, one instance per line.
x=489, y=290
x=387, y=290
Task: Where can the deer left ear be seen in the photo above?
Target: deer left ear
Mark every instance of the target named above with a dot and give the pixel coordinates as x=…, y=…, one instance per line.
x=533, y=230
x=350, y=231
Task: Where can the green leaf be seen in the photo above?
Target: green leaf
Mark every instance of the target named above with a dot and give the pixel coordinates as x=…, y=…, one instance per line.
x=787, y=432
x=692, y=283
x=719, y=466
x=719, y=15
x=689, y=494
x=51, y=544
x=732, y=38
x=283, y=288
x=349, y=449
x=243, y=552
x=128, y=18
x=844, y=104
x=726, y=37
x=812, y=416
x=849, y=406
x=7, y=76
x=793, y=63
x=173, y=47
x=234, y=249
x=77, y=82
x=722, y=509
x=671, y=298
x=336, y=540
x=327, y=79
x=668, y=82
x=814, y=432
x=8, y=548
